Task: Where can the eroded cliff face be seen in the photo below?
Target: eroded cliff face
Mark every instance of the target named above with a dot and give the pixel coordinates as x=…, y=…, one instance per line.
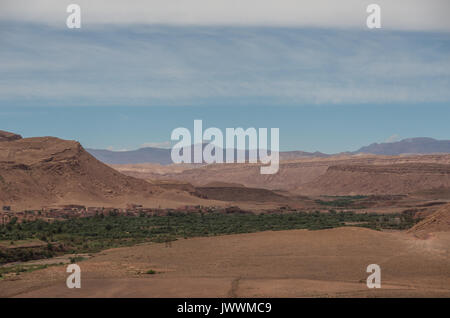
x=8, y=136
x=439, y=221
x=401, y=178
x=36, y=172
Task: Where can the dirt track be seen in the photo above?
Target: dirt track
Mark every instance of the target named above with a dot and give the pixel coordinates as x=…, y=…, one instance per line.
x=298, y=263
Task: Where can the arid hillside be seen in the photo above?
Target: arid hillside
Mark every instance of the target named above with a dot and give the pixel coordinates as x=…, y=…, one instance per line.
x=235, y=194
x=338, y=175
x=439, y=221
x=379, y=179
x=295, y=263
x=37, y=172
x=290, y=175
x=8, y=136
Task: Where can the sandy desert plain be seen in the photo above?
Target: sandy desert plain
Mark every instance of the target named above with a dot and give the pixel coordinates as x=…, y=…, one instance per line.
x=401, y=205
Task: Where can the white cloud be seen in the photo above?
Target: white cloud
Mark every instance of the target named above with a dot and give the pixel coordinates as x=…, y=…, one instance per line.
x=112, y=148
x=398, y=14
x=163, y=144
x=393, y=138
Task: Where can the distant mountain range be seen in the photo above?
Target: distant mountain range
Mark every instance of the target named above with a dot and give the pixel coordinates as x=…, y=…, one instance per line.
x=143, y=155
x=161, y=156
x=408, y=146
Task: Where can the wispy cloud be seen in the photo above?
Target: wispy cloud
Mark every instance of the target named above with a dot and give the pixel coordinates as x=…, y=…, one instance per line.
x=158, y=65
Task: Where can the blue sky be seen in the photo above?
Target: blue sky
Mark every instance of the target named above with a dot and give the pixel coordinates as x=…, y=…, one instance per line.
x=327, y=128
x=123, y=85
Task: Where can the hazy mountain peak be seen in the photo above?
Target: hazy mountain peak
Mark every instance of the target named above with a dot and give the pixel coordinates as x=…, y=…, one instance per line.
x=418, y=145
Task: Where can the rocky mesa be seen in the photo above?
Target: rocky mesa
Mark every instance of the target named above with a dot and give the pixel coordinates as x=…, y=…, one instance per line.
x=401, y=178
x=36, y=172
